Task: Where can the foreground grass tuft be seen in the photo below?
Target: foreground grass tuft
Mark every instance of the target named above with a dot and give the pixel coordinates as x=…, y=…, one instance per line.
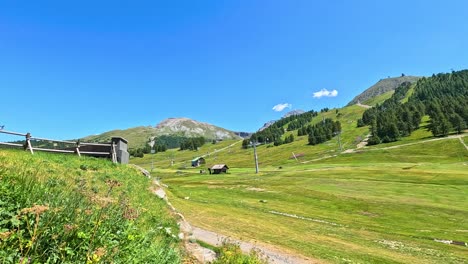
x=63, y=209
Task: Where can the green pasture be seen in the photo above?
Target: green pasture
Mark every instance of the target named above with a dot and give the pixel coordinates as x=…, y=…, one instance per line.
x=376, y=205
x=379, y=206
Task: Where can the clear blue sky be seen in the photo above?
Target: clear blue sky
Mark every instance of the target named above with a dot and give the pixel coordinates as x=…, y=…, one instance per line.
x=74, y=68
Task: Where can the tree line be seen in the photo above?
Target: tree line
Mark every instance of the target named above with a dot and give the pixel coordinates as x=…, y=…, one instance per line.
x=321, y=132
x=192, y=143
x=184, y=143
x=140, y=152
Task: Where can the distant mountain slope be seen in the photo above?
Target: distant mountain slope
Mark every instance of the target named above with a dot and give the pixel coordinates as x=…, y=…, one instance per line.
x=181, y=127
x=294, y=112
x=191, y=128
x=381, y=87
x=266, y=125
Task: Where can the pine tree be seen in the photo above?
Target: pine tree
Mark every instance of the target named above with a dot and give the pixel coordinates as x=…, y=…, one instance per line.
x=312, y=139
x=457, y=123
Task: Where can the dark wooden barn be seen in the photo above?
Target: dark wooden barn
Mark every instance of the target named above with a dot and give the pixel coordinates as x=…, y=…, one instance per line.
x=219, y=168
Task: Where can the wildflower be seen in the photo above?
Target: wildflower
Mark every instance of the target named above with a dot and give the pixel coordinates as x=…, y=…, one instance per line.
x=36, y=209
x=102, y=201
x=130, y=213
x=113, y=183
x=68, y=228
x=5, y=235
x=100, y=252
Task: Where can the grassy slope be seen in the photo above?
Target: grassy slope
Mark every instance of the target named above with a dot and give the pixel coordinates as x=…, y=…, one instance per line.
x=388, y=205
x=137, y=136
x=76, y=191
x=379, y=99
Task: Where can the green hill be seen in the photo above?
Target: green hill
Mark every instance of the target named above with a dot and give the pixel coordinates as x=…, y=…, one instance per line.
x=381, y=87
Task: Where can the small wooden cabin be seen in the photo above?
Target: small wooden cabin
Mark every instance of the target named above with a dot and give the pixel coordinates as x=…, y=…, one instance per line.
x=217, y=169
x=196, y=162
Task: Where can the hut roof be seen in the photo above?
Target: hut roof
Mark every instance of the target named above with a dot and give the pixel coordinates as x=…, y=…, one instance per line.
x=219, y=166
x=121, y=138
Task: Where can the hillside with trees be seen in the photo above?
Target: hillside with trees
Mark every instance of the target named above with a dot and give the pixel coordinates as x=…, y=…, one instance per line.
x=317, y=133
x=275, y=131
x=443, y=97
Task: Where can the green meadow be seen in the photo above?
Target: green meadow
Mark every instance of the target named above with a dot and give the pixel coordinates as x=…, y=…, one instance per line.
x=381, y=206
x=391, y=203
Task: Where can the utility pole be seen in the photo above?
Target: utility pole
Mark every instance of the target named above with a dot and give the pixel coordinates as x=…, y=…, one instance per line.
x=255, y=155
x=339, y=141
x=151, y=143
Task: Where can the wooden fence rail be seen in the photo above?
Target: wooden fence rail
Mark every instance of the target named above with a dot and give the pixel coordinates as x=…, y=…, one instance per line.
x=116, y=149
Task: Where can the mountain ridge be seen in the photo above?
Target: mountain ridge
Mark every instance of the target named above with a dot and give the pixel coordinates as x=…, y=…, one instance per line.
x=381, y=87
x=189, y=127
x=183, y=127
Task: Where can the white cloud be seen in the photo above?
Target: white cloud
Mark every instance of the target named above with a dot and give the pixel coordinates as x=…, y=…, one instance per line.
x=326, y=93
x=281, y=107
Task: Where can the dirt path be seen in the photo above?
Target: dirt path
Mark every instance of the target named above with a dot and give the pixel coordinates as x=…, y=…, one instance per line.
x=219, y=150
x=203, y=255
x=365, y=106
x=361, y=146
x=425, y=141
x=463, y=143
x=363, y=143
x=317, y=159
x=274, y=256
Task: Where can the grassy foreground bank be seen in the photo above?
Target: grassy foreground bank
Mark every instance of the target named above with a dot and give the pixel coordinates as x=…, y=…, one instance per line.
x=65, y=209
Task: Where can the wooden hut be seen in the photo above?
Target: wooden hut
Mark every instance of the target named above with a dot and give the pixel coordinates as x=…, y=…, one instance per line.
x=198, y=161
x=217, y=169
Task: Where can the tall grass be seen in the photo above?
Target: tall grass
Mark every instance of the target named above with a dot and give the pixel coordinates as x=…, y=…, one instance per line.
x=62, y=209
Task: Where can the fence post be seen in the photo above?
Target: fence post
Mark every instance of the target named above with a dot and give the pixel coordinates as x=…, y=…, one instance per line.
x=114, y=153
x=27, y=144
x=77, y=149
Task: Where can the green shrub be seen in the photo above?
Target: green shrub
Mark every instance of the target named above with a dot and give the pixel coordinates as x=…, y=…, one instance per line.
x=230, y=253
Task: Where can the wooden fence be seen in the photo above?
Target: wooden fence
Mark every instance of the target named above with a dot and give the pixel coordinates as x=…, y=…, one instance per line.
x=108, y=150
